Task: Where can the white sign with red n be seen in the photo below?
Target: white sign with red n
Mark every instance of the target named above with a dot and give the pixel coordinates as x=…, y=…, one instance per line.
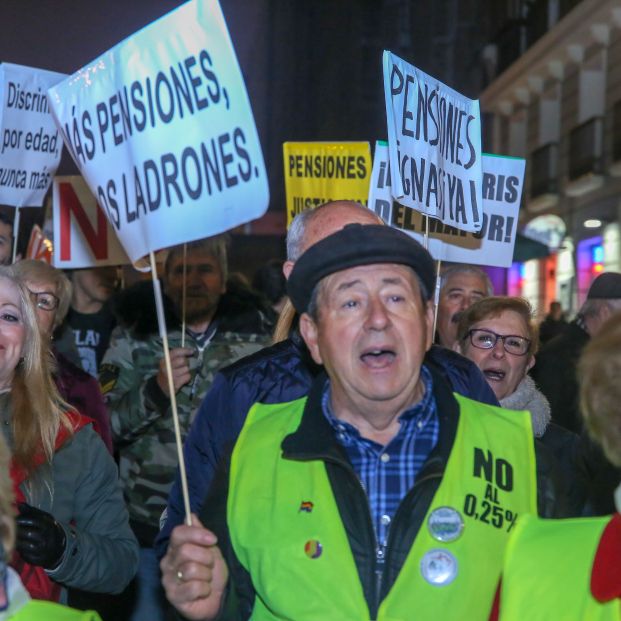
x=83, y=236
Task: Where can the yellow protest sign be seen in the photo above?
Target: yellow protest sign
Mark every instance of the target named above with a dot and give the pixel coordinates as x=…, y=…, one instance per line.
x=318, y=172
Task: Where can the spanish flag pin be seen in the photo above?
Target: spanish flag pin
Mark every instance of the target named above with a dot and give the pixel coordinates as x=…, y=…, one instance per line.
x=306, y=506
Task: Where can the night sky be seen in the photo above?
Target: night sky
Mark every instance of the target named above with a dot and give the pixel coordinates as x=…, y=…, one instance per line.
x=312, y=68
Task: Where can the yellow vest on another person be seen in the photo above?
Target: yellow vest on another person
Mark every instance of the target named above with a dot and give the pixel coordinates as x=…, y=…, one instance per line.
x=547, y=572
x=39, y=610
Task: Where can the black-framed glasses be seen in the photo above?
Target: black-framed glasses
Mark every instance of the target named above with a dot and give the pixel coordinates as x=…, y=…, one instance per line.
x=45, y=300
x=486, y=339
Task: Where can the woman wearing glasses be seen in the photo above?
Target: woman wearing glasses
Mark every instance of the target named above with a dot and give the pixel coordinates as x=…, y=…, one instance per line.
x=50, y=292
x=499, y=335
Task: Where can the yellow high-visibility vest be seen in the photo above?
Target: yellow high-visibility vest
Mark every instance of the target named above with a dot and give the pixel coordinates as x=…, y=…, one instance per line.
x=287, y=532
x=547, y=572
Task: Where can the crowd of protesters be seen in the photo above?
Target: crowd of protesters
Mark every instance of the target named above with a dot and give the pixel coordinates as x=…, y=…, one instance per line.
x=344, y=461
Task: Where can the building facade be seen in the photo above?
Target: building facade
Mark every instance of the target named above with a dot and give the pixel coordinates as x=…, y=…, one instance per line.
x=553, y=96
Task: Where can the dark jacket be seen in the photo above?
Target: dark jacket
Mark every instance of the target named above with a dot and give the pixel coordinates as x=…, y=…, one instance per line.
x=80, y=488
x=555, y=375
x=140, y=411
x=549, y=328
x=276, y=374
x=134, y=309
x=567, y=449
x=81, y=390
x=563, y=444
x=314, y=440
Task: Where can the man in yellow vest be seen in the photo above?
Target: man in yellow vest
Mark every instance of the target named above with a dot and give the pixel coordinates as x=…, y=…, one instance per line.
x=381, y=495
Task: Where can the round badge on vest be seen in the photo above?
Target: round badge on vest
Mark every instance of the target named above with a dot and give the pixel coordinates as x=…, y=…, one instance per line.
x=445, y=524
x=439, y=567
x=313, y=548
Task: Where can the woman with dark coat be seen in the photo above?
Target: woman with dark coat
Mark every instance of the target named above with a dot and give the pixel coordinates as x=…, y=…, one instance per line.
x=499, y=335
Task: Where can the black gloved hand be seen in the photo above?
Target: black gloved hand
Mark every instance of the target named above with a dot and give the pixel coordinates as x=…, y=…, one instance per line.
x=41, y=539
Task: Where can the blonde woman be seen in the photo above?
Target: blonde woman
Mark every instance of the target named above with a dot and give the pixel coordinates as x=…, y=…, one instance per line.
x=72, y=526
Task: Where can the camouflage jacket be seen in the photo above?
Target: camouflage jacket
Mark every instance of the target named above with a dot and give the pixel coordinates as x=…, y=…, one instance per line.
x=141, y=414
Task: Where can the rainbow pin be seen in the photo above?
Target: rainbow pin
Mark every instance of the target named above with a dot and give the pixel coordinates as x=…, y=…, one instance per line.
x=313, y=548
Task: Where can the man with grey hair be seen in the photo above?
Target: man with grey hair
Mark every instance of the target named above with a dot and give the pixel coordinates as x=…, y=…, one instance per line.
x=356, y=502
x=282, y=372
x=461, y=287
x=134, y=381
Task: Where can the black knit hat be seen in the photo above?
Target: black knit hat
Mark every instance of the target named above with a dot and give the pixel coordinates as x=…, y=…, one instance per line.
x=606, y=286
x=354, y=245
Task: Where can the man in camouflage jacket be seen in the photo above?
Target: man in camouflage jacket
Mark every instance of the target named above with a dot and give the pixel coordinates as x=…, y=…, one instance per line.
x=221, y=328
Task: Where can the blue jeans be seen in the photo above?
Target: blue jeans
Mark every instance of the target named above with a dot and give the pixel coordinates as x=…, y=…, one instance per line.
x=150, y=601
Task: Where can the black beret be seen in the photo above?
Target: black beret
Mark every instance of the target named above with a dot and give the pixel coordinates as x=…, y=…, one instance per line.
x=354, y=245
x=606, y=286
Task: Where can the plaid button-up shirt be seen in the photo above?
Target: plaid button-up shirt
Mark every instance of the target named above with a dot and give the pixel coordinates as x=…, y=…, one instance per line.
x=388, y=472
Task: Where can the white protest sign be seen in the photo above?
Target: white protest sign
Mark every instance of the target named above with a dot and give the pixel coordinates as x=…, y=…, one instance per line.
x=503, y=180
x=83, y=237
x=434, y=135
x=162, y=130
x=30, y=146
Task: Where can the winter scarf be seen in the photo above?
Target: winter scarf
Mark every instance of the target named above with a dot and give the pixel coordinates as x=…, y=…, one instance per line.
x=528, y=397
